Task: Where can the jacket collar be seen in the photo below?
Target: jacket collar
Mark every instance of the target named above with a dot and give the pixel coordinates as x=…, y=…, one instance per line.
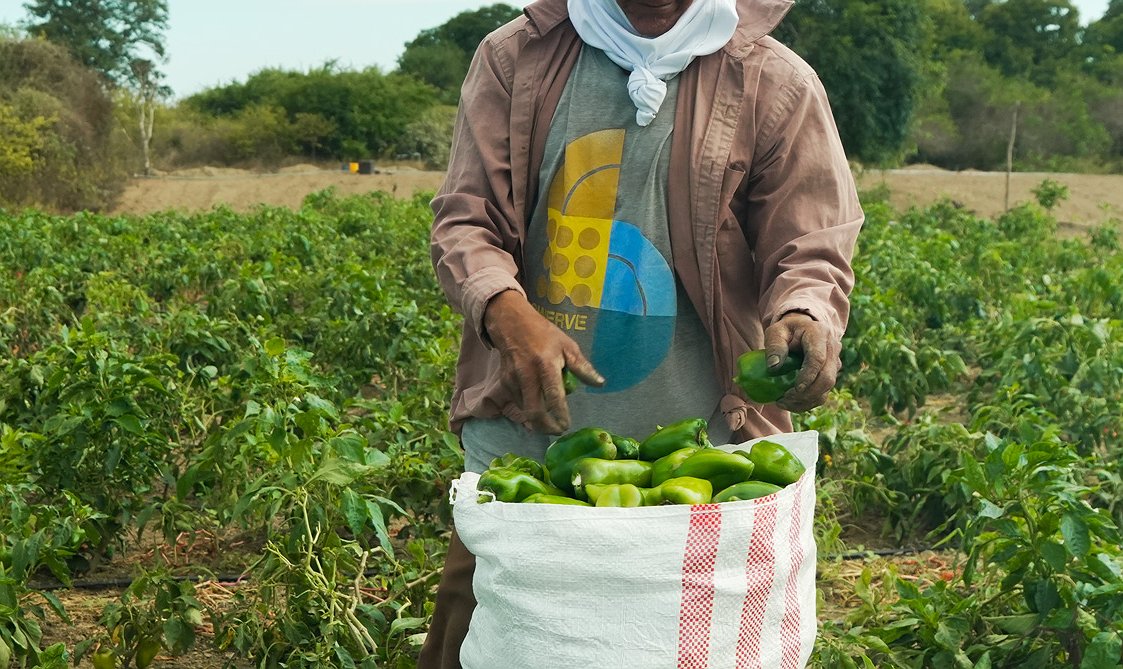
x=758, y=18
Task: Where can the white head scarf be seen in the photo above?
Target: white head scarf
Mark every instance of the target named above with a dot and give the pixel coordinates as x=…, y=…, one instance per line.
x=705, y=27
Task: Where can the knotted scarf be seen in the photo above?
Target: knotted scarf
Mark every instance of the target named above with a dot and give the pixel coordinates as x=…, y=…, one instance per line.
x=705, y=27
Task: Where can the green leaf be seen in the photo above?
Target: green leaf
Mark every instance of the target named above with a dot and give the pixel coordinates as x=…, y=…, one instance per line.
x=118, y=407
x=388, y=502
x=378, y=522
x=179, y=635
x=400, y=624
x=1021, y=624
x=275, y=347
x=56, y=605
x=355, y=511
x=1055, y=555
x=991, y=510
x=338, y=472
x=1046, y=597
x=1075, y=532
x=1106, y=567
x=948, y=637
x=973, y=474
x=130, y=423
x=1103, y=652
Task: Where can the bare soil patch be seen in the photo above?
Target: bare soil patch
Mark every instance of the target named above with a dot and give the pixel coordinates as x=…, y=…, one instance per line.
x=204, y=188
x=1093, y=198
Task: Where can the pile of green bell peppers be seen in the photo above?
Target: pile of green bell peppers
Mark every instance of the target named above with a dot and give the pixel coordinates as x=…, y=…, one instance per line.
x=676, y=464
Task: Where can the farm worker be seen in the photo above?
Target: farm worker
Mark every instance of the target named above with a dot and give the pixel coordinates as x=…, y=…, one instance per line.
x=639, y=191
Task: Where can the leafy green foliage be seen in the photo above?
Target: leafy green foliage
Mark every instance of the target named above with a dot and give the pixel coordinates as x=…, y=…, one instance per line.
x=156, y=613
x=865, y=54
x=59, y=114
x=37, y=534
x=1020, y=473
x=339, y=113
x=20, y=140
x=104, y=35
x=440, y=56
x=282, y=373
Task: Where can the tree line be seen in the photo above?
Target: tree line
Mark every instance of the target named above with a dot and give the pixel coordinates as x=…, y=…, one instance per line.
x=83, y=100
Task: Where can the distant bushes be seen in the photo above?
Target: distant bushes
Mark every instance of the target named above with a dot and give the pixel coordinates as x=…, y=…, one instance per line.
x=325, y=112
x=1075, y=125
x=57, y=148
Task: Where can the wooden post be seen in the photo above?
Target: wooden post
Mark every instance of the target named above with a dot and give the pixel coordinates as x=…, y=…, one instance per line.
x=1010, y=152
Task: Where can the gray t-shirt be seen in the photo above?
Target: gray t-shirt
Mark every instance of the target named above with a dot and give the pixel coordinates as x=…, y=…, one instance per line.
x=599, y=267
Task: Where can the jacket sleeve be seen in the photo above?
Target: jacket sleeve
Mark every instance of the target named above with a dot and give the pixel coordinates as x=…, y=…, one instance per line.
x=803, y=210
x=471, y=241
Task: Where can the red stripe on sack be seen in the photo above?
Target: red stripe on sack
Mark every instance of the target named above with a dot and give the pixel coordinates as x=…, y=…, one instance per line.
x=759, y=572
x=697, y=608
x=789, y=626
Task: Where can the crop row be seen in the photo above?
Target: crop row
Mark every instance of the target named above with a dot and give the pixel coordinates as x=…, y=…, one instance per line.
x=283, y=376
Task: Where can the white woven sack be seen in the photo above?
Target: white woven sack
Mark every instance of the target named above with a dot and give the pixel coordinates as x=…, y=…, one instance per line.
x=714, y=586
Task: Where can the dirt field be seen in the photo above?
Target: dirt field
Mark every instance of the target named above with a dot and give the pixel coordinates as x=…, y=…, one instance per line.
x=1093, y=198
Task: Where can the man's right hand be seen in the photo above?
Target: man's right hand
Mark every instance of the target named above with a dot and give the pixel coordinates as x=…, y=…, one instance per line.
x=533, y=352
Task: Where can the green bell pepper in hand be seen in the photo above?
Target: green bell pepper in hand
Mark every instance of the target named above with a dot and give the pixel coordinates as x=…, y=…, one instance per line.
x=746, y=490
x=542, y=498
x=616, y=494
x=522, y=464
x=761, y=384
x=567, y=450
x=667, y=440
x=680, y=490
x=569, y=381
x=774, y=463
x=512, y=485
x=720, y=468
x=596, y=471
x=665, y=466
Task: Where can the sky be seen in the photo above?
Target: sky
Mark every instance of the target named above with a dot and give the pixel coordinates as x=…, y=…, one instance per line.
x=216, y=42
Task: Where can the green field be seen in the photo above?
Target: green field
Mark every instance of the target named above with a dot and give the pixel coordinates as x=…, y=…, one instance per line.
x=190, y=399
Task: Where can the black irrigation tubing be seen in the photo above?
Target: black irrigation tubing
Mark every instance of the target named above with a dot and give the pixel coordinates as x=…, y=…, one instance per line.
x=114, y=583
x=883, y=552
x=123, y=582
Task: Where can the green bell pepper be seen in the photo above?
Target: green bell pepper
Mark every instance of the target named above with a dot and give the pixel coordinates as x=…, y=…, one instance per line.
x=746, y=490
x=522, y=464
x=569, y=381
x=626, y=447
x=512, y=485
x=680, y=490
x=616, y=494
x=774, y=463
x=720, y=468
x=667, y=440
x=569, y=449
x=761, y=384
x=541, y=498
x=665, y=466
x=595, y=471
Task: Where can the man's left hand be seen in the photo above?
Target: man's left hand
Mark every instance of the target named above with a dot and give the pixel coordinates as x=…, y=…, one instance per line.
x=796, y=331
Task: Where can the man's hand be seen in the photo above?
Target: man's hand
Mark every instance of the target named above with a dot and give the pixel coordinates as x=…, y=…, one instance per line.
x=533, y=352
x=799, y=332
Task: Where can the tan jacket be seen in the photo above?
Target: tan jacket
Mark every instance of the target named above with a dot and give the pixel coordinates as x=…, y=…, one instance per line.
x=763, y=211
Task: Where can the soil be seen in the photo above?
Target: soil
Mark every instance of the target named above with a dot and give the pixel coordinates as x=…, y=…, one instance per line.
x=1093, y=198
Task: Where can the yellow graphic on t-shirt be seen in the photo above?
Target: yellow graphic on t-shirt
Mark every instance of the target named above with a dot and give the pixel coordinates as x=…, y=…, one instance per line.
x=581, y=207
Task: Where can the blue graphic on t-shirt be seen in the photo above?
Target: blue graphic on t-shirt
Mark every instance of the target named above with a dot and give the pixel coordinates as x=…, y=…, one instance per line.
x=636, y=322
